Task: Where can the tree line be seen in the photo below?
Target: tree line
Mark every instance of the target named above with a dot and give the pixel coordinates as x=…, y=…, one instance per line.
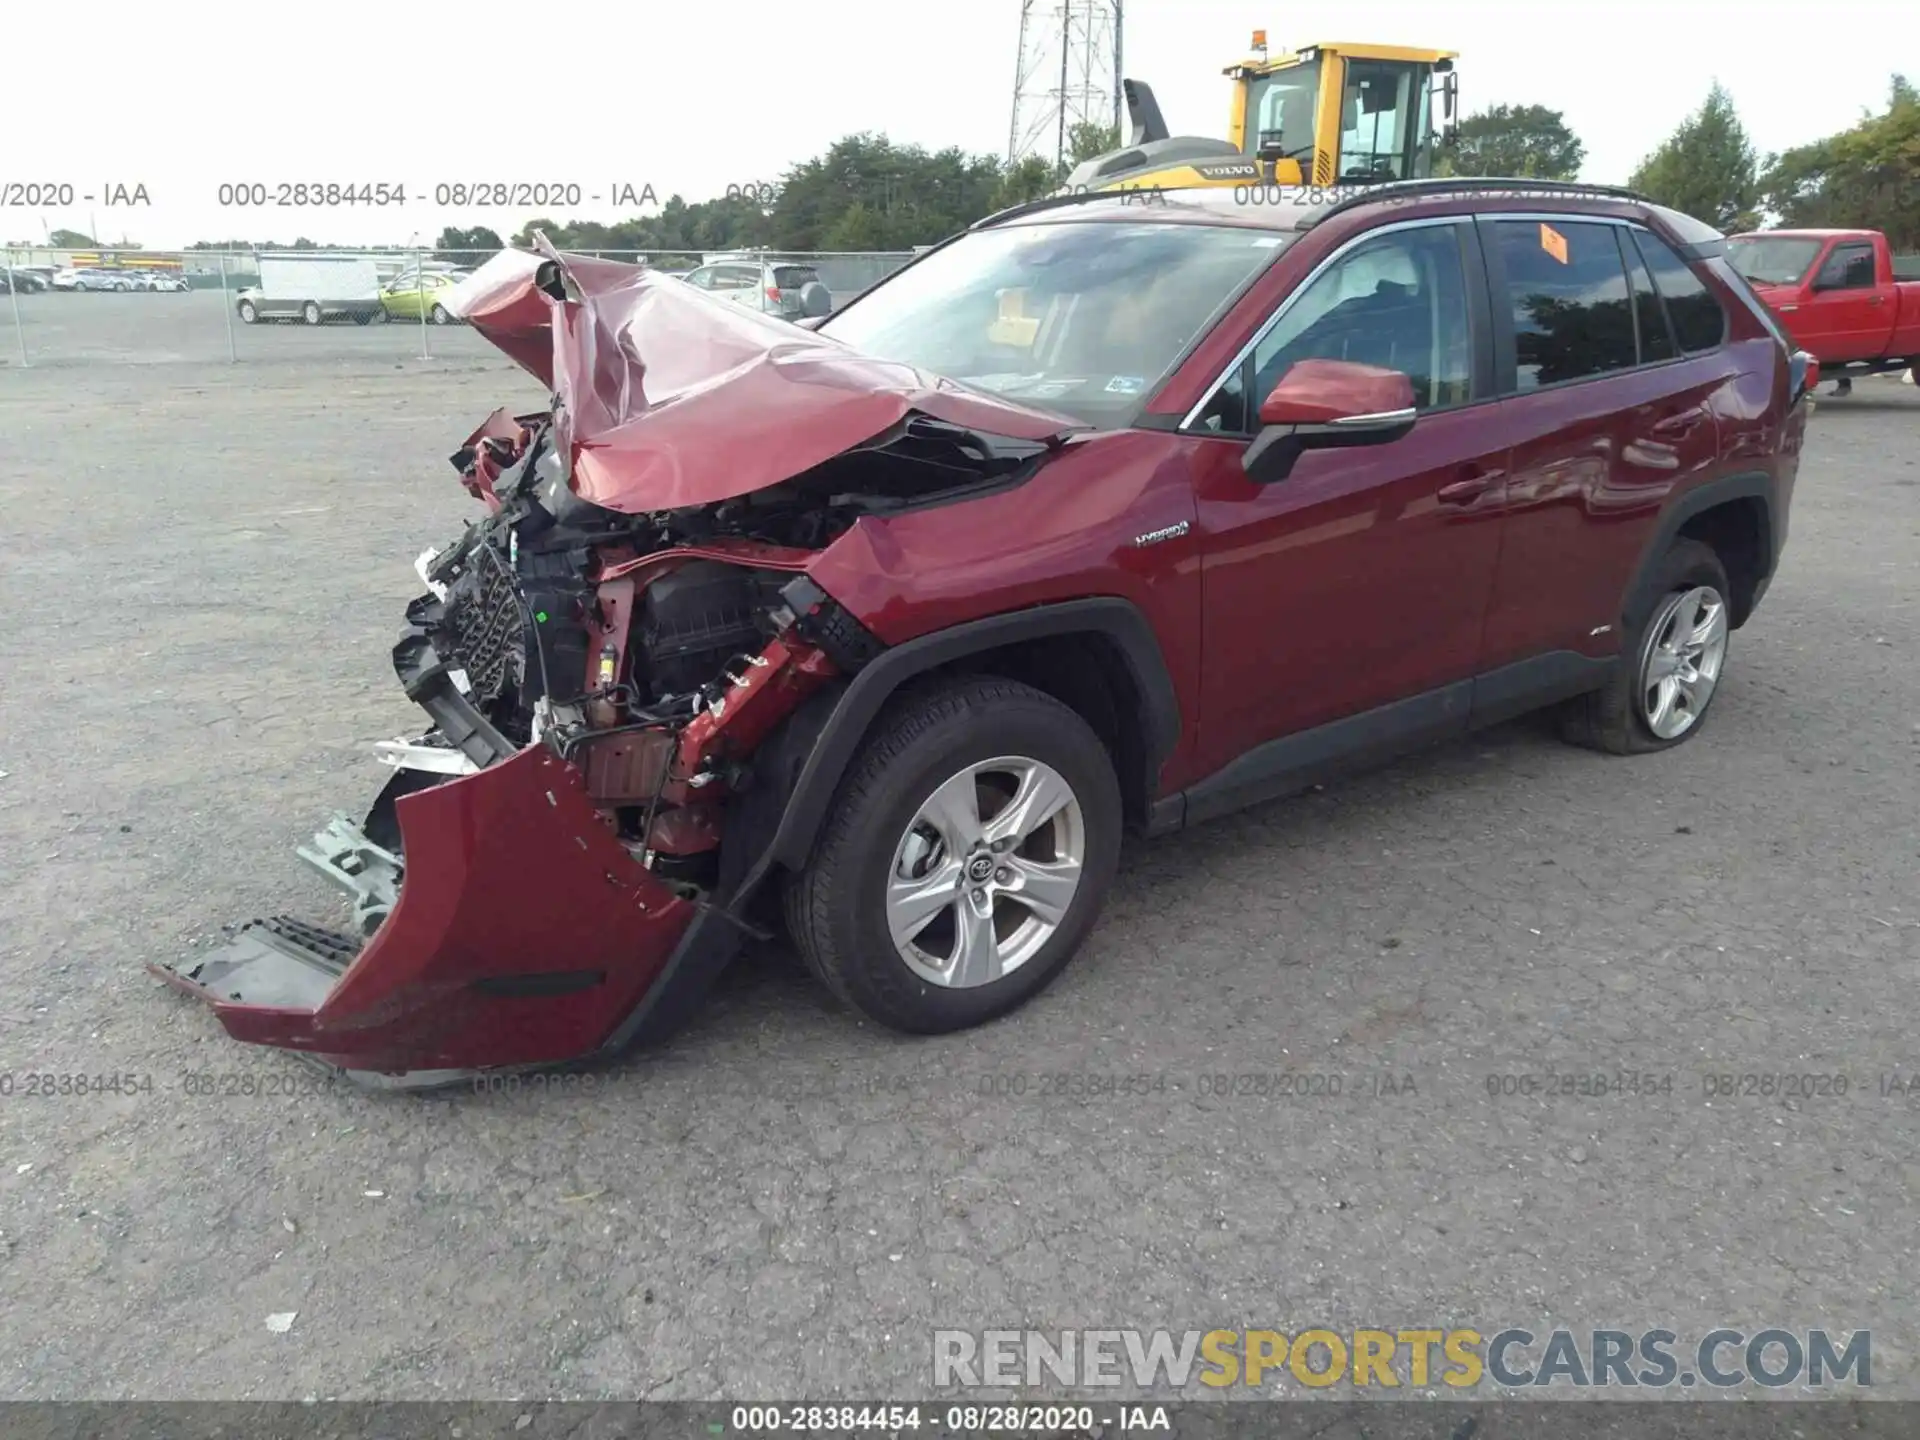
x=864, y=193
x=1867, y=176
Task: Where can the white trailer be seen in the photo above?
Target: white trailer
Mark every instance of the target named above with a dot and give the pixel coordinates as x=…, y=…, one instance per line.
x=313, y=288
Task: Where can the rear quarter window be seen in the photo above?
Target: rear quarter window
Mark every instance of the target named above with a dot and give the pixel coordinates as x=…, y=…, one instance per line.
x=1730, y=276
x=1698, y=321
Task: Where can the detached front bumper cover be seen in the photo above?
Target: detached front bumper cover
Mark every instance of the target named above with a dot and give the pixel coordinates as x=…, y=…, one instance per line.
x=524, y=933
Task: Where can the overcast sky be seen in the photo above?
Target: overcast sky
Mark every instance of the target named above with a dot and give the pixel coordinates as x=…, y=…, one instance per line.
x=692, y=98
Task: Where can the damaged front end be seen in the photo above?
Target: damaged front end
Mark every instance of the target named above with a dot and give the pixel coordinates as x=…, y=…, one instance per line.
x=614, y=662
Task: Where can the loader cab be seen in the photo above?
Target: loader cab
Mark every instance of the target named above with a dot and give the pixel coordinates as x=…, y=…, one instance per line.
x=1342, y=114
x=1329, y=115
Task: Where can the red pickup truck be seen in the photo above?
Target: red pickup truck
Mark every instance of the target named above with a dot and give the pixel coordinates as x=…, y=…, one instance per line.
x=1835, y=292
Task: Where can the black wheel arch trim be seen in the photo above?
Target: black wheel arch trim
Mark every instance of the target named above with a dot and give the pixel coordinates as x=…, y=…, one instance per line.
x=1755, y=485
x=860, y=703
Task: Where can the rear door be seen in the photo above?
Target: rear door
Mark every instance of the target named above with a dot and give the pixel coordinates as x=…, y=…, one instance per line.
x=1846, y=309
x=1612, y=353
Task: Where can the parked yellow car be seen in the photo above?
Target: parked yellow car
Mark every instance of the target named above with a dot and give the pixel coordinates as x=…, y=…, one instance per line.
x=410, y=295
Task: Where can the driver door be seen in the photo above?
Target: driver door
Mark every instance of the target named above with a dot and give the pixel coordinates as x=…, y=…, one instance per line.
x=1348, y=598
x=1845, y=316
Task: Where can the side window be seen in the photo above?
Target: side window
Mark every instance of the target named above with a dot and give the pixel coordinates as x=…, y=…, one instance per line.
x=1227, y=411
x=1567, y=291
x=1743, y=291
x=1698, y=321
x=1650, y=316
x=1849, y=267
x=735, y=277
x=1398, y=301
x=702, y=278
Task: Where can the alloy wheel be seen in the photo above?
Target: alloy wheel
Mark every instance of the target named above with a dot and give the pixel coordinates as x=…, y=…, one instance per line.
x=1680, y=666
x=986, y=872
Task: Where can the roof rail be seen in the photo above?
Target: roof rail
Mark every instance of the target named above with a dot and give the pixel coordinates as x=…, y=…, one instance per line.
x=1450, y=184
x=1045, y=202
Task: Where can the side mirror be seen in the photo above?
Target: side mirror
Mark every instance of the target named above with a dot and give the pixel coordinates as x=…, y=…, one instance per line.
x=1325, y=405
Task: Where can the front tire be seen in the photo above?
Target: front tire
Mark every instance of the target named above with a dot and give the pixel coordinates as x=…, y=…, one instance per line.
x=965, y=859
x=247, y=313
x=310, y=312
x=1670, y=669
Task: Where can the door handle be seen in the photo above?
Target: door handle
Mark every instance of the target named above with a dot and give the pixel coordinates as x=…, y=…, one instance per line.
x=1876, y=299
x=1464, y=492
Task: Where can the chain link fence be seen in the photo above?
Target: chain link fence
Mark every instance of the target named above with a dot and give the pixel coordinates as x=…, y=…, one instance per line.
x=253, y=307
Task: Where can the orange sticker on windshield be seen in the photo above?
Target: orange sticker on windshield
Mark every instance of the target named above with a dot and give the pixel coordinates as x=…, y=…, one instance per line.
x=1553, y=242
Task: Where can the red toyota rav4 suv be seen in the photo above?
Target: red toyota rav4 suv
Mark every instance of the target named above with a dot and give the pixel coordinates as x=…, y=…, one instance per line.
x=1112, y=511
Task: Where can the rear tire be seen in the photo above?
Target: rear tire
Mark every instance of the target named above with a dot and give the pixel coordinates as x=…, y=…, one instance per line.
x=310, y=312
x=440, y=315
x=1650, y=703
x=976, y=752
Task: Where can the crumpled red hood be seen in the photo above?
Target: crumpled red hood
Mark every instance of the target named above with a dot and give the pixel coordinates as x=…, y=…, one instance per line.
x=666, y=397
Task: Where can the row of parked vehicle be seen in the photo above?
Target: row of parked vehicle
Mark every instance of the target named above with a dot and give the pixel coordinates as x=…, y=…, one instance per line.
x=25, y=279
x=31, y=279
x=318, y=288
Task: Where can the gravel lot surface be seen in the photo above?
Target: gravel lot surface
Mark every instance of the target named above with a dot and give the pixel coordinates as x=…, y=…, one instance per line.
x=205, y=567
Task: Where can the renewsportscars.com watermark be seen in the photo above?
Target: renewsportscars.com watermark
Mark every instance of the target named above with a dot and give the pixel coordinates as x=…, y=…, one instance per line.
x=1385, y=1359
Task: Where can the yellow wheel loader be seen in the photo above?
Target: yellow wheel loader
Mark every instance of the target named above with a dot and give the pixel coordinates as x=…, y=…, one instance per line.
x=1327, y=115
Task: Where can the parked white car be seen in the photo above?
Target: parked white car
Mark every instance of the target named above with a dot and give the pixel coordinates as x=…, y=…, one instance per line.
x=90, y=279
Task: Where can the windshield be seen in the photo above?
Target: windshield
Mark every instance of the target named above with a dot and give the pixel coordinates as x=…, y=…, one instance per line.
x=1080, y=317
x=1780, y=261
x=1283, y=102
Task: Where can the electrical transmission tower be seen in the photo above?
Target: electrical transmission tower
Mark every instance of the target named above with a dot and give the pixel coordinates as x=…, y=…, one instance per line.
x=1069, y=74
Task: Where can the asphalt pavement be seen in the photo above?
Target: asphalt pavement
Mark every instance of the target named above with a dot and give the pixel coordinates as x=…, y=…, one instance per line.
x=204, y=569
